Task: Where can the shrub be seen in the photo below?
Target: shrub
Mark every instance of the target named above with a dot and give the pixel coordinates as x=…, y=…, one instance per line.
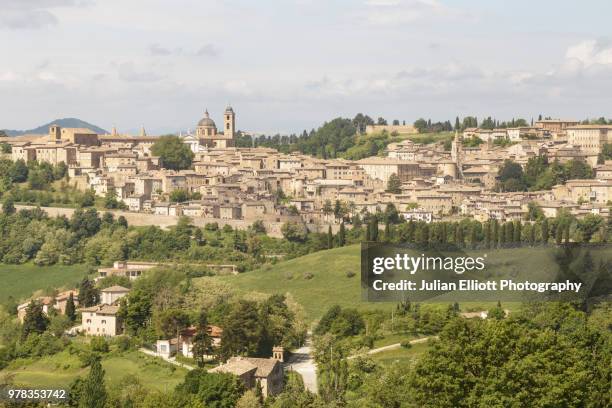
x=308, y=275
x=99, y=344
x=350, y=274
x=406, y=344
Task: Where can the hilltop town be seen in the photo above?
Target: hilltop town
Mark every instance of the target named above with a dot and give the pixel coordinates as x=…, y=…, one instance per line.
x=238, y=185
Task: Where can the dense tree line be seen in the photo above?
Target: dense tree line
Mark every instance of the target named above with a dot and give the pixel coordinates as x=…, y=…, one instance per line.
x=540, y=174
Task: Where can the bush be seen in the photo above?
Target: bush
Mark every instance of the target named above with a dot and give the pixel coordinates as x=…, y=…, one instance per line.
x=123, y=343
x=211, y=226
x=406, y=344
x=308, y=275
x=99, y=344
x=350, y=274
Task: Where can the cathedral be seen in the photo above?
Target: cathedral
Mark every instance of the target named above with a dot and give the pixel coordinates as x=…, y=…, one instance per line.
x=208, y=136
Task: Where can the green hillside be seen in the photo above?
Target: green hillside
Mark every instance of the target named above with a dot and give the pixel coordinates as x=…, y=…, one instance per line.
x=59, y=370
x=20, y=281
x=329, y=284
x=322, y=279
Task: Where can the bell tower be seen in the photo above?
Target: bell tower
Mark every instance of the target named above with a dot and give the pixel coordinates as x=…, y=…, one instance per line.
x=229, y=123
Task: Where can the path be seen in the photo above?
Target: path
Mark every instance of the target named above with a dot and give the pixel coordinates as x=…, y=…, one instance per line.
x=302, y=362
x=171, y=360
x=394, y=346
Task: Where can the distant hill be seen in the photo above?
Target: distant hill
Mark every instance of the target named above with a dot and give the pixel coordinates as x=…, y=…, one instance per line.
x=66, y=122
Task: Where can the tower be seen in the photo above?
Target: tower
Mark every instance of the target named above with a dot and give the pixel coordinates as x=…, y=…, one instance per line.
x=55, y=134
x=457, y=153
x=229, y=123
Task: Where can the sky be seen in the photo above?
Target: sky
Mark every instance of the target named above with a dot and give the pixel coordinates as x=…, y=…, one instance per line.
x=289, y=65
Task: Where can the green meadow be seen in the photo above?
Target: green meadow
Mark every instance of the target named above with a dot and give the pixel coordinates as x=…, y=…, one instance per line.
x=20, y=281
x=59, y=370
x=320, y=280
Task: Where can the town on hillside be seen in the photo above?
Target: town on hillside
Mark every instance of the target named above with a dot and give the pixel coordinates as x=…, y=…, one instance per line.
x=475, y=175
x=226, y=274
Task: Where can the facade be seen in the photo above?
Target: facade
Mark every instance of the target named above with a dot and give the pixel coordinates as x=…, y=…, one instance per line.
x=111, y=295
x=590, y=138
x=268, y=372
x=101, y=320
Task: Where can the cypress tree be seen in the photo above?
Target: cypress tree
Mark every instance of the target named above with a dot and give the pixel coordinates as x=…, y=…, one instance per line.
x=330, y=238
x=518, y=231
x=567, y=234
x=473, y=236
x=544, y=229
x=495, y=235
x=509, y=232
x=94, y=391
x=532, y=235
x=411, y=231
x=374, y=229
x=487, y=234
x=368, y=238
x=459, y=240
x=559, y=235
x=387, y=231
x=342, y=235
x=70, y=309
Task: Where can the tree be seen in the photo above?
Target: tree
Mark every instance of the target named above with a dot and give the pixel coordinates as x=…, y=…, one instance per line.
x=330, y=238
x=8, y=206
x=179, y=195
x=110, y=199
x=341, y=237
x=421, y=125
x=19, y=171
x=174, y=154
x=170, y=322
x=242, y=331
x=293, y=231
x=135, y=310
x=394, y=184
x=70, y=309
x=34, y=321
x=214, y=390
x=249, y=400
x=93, y=394
x=202, y=341
x=88, y=294
x=544, y=230
x=373, y=228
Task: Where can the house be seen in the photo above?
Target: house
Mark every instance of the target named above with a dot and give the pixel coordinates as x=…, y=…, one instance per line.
x=131, y=270
x=110, y=295
x=101, y=320
x=58, y=303
x=187, y=335
x=268, y=372
x=184, y=344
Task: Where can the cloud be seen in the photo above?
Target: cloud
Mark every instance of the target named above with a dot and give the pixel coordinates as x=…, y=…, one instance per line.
x=158, y=50
x=33, y=14
x=127, y=72
x=591, y=52
x=393, y=12
x=208, y=50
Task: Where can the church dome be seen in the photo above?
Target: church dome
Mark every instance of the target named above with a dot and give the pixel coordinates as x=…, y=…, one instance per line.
x=206, y=121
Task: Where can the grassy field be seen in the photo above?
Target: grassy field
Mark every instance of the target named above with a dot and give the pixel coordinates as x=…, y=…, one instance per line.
x=401, y=355
x=59, y=370
x=20, y=281
x=322, y=279
x=328, y=285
